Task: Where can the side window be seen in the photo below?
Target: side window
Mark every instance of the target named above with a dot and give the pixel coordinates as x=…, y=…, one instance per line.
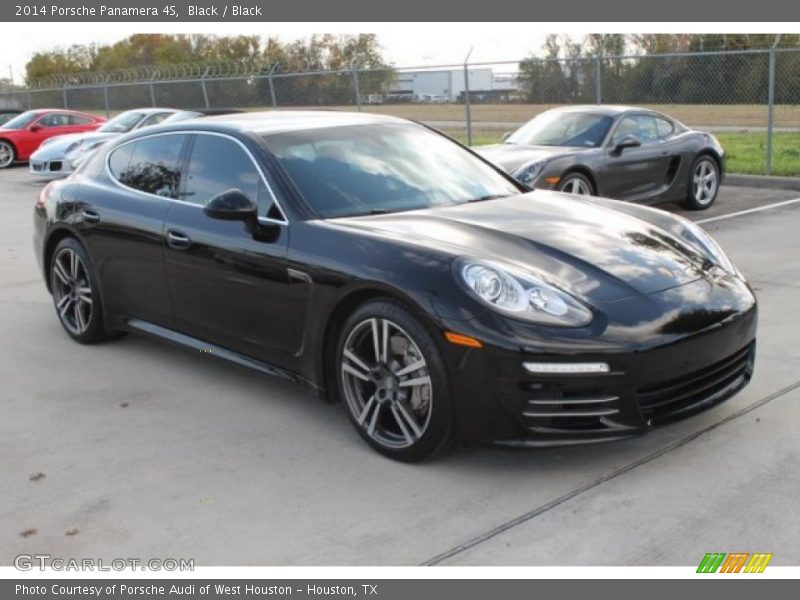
x=219, y=164
x=642, y=126
x=665, y=128
x=53, y=120
x=78, y=120
x=152, y=165
x=647, y=129
x=628, y=126
x=153, y=119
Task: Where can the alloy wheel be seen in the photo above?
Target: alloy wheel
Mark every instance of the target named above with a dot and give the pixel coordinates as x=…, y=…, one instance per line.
x=72, y=291
x=704, y=181
x=576, y=185
x=6, y=154
x=386, y=383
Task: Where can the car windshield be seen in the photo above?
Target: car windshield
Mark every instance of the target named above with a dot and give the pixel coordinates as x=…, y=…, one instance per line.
x=382, y=168
x=576, y=129
x=21, y=121
x=122, y=122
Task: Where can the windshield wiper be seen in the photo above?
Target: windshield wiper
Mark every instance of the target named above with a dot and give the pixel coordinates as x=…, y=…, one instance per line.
x=487, y=197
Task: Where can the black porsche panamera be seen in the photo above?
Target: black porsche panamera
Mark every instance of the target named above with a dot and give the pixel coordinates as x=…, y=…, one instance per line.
x=386, y=266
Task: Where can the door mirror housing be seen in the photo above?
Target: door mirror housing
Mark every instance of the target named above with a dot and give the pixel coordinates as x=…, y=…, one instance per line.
x=629, y=141
x=232, y=205
x=506, y=135
x=34, y=128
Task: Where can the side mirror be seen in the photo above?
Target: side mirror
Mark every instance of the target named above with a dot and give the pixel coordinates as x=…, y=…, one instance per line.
x=506, y=135
x=232, y=205
x=629, y=141
x=34, y=128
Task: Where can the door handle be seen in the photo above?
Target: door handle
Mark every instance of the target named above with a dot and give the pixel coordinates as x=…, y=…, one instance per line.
x=178, y=240
x=91, y=217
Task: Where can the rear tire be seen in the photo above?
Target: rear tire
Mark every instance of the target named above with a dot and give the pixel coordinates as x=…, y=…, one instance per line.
x=76, y=295
x=576, y=183
x=392, y=381
x=8, y=154
x=703, y=186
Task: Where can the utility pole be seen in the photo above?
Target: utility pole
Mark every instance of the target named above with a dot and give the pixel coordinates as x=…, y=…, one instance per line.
x=468, y=115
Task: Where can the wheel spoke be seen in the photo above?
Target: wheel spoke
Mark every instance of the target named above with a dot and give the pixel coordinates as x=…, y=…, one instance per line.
x=355, y=372
x=409, y=419
x=376, y=339
x=58, y=269
x=80, y=320
x=367, y=407
x=85, y=294
x=399, y=419
x=357, y=361
x=63, y=306
x=374, y=420
x=415, y=366
x=73, y=265
x=415, y=382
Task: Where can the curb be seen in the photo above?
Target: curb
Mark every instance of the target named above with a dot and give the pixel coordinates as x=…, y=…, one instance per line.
x=762, y=181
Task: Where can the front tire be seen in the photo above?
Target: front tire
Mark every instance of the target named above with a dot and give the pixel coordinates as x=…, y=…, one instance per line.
x=8, y=154
x=392, y=380
x=576, y=183
x=703, y=183
x=75, y=291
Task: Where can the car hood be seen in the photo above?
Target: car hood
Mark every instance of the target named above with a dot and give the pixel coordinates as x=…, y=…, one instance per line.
x=595, y=252
x=511, y=157
x=57, y=146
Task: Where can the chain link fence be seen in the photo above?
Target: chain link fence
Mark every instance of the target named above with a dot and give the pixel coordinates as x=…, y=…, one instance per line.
x=749, y=99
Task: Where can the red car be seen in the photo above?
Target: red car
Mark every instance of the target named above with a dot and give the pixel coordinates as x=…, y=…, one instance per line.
x=22, y=135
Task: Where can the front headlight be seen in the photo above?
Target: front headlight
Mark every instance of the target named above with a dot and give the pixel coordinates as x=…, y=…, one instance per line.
x=520, y=295
x=699, y=238
x=529, y=173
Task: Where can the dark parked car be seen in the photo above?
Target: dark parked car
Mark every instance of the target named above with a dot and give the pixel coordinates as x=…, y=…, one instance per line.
x=614, y=151
x=386, y=266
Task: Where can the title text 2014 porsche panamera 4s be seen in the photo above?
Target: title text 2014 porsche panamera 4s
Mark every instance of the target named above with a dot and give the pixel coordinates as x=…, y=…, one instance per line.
x=390, y=268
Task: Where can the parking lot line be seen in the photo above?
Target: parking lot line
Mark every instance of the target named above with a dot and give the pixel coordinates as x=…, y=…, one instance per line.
x=749, y=211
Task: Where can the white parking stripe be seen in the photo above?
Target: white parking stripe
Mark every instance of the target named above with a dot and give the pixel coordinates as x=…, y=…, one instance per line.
x=748, y=211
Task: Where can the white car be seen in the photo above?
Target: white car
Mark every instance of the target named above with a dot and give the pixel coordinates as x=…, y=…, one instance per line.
x=57, y=156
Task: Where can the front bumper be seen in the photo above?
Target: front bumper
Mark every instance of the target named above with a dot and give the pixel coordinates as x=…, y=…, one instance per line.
x=50, y=169
x=655, y=376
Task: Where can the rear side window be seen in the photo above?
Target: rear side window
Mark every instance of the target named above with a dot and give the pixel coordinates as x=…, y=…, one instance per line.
x=219, y=164
x=79, y=120
x=150, y=165
x=664, y=127
x=154, y=119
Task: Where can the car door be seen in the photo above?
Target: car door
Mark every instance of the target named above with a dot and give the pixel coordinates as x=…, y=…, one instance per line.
x=229, y=285
x=635, y=172
x=122, y=218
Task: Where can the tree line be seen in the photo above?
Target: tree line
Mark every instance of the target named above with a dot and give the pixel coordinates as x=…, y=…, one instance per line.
x=637, y=69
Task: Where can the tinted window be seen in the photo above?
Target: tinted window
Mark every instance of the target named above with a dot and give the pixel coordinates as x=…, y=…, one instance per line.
x=122, y=122
x=219, y=164
x=54, y=120
x=642, y=126
x=154, y=119
x=557, y=128
x=151, y=165
x=375, y=168
x=79, y=120
x=21, y=121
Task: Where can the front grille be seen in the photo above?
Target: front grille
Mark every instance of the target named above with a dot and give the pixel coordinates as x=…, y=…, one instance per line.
x=668, y=399
x=574, y=408
x=55, y=165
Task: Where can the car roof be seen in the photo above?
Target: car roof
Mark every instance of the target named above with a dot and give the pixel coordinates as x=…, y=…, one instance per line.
x=282, y=121
x=603, y=109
